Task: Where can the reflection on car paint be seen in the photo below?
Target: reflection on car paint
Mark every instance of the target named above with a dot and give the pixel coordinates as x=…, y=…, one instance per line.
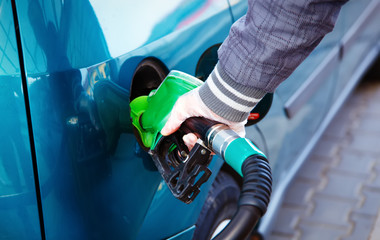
x=80, y=57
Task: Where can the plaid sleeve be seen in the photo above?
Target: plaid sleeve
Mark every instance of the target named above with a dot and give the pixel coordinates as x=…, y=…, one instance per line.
x=263, y=48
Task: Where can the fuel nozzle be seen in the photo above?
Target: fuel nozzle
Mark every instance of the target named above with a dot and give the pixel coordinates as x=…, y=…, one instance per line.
x=185, y=171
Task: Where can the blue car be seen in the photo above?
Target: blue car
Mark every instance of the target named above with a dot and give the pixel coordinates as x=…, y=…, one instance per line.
x=71, y=166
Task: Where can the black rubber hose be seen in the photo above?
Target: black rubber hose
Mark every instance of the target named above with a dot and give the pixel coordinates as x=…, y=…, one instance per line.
x=253, y=201
x=241, y=224
x=257, y=183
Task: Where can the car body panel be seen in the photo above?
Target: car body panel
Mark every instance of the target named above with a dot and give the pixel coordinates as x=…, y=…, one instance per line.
x=186, y=234
x=166, y=210
x=80, y=58
x=238, y=8
x=93, y=186
x=18, y=203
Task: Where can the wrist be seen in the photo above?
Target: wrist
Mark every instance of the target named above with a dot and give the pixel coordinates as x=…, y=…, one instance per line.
x=227, y=98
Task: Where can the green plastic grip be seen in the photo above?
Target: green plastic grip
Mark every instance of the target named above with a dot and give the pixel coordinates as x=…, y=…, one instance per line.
x=150, y=113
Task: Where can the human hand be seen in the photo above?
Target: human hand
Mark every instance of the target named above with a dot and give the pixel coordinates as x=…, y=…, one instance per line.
x=191, y=105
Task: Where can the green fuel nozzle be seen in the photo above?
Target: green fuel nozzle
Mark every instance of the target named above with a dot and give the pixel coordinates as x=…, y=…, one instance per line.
x=185, y=171
x=178, y=167
x=150, y=113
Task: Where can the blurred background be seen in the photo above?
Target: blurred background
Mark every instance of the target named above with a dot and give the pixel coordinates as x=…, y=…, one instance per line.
x=336, y=193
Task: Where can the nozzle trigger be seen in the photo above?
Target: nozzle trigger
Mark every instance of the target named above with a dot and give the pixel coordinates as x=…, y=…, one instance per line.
x=183, y=171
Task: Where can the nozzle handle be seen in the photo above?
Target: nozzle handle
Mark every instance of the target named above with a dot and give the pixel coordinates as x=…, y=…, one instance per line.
x=198, y=125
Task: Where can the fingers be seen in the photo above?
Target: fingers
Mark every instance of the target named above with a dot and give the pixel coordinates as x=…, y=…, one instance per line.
x=190, y=140
x=191, y=105
x=172, y=125
x=180, y=112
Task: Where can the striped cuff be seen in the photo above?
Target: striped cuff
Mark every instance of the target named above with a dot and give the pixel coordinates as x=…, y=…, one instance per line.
x=227, y=98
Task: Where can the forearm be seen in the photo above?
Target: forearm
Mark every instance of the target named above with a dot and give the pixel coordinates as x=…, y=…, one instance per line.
x=263, y=48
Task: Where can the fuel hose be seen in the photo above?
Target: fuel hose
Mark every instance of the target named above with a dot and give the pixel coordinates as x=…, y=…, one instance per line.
x=247, y=160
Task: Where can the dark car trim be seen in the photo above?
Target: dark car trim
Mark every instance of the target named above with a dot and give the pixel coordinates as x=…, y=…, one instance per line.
x=319, y=75
x=29, y=119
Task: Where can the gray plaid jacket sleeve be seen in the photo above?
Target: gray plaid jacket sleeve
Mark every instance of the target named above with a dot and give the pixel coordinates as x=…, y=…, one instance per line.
x=263, y=48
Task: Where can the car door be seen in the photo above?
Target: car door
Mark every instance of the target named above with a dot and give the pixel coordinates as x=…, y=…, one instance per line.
x=306, y=97
x=80, y=60
x=309, y=99
x=19, y=207
x=359, y=44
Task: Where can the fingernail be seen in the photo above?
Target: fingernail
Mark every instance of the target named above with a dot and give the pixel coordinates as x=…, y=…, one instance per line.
x=165, y=131
x=186, y=138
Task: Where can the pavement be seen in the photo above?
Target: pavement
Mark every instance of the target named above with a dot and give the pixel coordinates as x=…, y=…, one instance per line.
x=336, y=193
